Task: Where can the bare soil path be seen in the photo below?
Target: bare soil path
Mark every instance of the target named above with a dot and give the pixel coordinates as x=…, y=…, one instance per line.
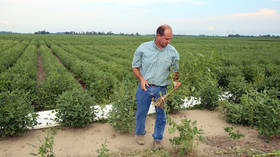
x=40, y=69
x=84, y=142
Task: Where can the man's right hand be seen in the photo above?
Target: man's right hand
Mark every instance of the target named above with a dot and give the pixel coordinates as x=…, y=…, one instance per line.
x=144, y=83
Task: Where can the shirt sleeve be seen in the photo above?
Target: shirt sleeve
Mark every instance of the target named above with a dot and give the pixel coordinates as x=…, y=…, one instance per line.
x=137, y=59
x=175, y=62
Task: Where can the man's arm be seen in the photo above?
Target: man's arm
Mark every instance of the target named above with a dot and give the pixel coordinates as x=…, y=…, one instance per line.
x=141, y=79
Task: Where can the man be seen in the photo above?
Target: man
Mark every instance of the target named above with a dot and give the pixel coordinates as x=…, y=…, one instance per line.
x=151, y=64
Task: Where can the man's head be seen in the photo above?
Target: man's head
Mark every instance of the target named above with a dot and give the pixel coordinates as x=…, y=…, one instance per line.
x=163, y=36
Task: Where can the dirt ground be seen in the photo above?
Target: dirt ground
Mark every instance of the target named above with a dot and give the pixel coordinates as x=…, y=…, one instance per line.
x=84, y=142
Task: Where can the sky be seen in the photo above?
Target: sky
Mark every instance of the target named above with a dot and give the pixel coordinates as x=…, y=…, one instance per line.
x=189, y=17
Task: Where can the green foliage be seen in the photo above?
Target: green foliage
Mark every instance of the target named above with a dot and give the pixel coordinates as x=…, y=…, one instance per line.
x=273, y=153
x=75, y=109
x=234, y=134
x=198, y=69
x=46, y=146
x=56, y=81
x=256, y=109
x=237, y=86
x=103, y=151
x=146, y=153
x=49, y=91
x=123, y=114
x=227, y=72
x=188, y=134
x=103, y=88
x=174, y=100
x=16, y=113
x=254, y=73
x=209, y=96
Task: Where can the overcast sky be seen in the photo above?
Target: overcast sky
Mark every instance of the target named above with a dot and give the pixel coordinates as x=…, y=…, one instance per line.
x=192, y=17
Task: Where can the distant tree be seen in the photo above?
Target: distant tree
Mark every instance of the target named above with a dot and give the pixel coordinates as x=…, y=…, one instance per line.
x=42, y=32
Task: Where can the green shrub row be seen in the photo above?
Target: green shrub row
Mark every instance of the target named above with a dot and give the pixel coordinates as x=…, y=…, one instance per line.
x=99, y=83
x=10, y=56
x=57, y=80
x=18, y=94
x=256, y=109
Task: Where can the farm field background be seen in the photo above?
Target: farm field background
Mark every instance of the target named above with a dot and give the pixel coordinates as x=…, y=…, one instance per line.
x=46, y=66
x=37, y=72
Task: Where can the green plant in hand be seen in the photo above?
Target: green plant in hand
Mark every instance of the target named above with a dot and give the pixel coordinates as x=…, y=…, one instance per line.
x=234, y=134
x=46, y=147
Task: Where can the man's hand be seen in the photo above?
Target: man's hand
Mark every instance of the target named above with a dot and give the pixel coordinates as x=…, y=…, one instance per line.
x=176, y=84
x=141, y=79
x=144, y=83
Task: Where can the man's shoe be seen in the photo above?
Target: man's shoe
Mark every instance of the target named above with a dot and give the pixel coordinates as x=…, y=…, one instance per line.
x=140, y=139
x=157, y=145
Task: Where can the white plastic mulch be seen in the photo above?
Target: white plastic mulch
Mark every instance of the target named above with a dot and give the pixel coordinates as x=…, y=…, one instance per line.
x=47, y=118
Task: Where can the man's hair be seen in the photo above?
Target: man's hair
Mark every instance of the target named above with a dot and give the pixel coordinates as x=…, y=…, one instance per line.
x=162, y=28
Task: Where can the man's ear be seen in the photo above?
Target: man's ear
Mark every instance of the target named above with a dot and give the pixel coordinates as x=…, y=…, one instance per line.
x=158, y=35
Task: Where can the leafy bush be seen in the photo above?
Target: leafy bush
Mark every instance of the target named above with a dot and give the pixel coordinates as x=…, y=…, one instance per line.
x=256, y=109
x=102, y=88
x=268, y=117
x=209, y=96
x=123, y=114
x=75, y=109
x=174, y=101
x=227, y=72
x=254, y=73
x=49, y=90
x=237, y=86
x=17, y=113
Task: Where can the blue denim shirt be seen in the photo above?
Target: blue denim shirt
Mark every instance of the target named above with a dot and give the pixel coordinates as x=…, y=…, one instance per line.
x=155, y=64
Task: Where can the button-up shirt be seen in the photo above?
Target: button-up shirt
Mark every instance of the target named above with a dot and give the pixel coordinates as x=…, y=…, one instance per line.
x=155, y=64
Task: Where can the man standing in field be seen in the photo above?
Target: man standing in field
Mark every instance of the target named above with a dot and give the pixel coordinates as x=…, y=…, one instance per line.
x=151, y=64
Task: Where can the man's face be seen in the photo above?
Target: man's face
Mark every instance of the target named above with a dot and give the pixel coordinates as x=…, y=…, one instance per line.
x=166, y=38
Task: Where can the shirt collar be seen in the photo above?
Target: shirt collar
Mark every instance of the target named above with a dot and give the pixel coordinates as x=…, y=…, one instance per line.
x=155, y=46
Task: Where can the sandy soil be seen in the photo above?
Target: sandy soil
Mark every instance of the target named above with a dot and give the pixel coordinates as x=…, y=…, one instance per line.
x=40, y=72
x=84, y=142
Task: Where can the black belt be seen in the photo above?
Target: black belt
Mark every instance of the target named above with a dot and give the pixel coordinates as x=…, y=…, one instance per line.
x=152, y=85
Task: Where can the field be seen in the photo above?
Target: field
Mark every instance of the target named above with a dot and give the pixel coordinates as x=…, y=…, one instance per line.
x=41, y=71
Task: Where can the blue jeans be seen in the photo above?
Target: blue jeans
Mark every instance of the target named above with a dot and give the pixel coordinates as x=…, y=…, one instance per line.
x=143, y=99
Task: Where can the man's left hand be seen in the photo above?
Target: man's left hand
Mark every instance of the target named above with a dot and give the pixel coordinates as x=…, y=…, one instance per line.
x=176, y=84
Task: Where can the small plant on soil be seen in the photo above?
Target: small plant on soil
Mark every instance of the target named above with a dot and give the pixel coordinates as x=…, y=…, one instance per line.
x=103, y=151
x=46, y=147
x=144, y=153
x=234, y=134
x=274, y=153
x=186, y=142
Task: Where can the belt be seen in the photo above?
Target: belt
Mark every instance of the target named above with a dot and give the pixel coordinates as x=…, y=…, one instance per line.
x=152, y=85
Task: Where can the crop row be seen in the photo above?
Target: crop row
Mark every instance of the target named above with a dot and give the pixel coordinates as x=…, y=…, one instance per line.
x=56, y=81
x=10, y=56
x=21, y=77
x=98, y=83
